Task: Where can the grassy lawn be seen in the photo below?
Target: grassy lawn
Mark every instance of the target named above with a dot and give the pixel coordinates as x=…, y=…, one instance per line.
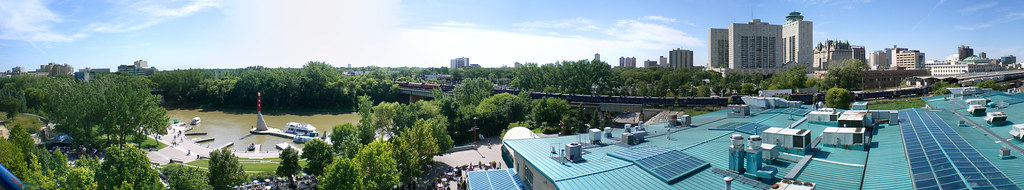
x=28, y=122
x=695, y=111
x=150, y=143
x=896, y=104
x=249, y=165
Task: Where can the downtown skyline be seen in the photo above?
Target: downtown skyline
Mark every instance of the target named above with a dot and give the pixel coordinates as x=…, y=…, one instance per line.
x=233, y=34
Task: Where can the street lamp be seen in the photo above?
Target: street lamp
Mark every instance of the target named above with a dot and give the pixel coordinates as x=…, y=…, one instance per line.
x=474, y=128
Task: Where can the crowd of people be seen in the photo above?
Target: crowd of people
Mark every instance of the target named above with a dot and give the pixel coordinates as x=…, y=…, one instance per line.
x=457, y=174
x=76, y=153
x=294, y=182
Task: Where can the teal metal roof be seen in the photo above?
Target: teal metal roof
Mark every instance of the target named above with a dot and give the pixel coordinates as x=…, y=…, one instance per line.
x=888, y=167
x=884, y=166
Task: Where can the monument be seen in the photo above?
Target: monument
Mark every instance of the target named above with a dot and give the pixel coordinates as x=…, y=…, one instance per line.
x=260, y=124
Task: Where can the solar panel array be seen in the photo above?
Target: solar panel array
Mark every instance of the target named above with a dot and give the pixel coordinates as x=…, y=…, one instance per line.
x=752, y=128
x=939, y=158
x=667, y=165
x=1013, y=101
x=494, y=179
x=743, y=127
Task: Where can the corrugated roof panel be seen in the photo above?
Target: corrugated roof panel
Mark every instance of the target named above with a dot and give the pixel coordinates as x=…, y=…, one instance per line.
x=887, y=164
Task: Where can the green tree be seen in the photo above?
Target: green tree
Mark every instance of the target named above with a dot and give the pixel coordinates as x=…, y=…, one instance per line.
x=378, y=166
x=58, y=168
x=225, y=171
x=472, y=91
x=498, y=111
x=80, y=178
x=12, y=158
x=318, y=155
x=384, y=115
x=845, y=75
x=939, y=88
x=22, y=139
x=345, y=139
x=289, y=163
x=415, y=148
x=316, y=79
x=703, y=91
x=34, y=97
x=73, y=107
x=838, y=98
x=989, y=84
x=548, y=112
x=127, y=167
x=131, y=112
x=747, y=88
x=343, y=173
x=11, y=101
x=184, y=177
x=366, y=127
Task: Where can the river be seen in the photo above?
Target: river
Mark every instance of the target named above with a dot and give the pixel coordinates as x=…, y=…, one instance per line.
x=233, y=125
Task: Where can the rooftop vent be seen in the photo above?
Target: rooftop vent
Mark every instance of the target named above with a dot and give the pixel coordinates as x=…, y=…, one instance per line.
x=574, y=152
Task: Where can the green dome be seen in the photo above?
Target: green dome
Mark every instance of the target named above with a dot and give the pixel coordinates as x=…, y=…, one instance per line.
x=794, y=16
x=975, y=59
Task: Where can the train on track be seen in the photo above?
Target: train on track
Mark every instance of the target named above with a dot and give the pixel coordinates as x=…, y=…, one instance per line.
x=683, y=101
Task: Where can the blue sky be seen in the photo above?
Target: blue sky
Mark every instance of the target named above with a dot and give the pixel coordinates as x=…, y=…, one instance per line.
x=174, y=34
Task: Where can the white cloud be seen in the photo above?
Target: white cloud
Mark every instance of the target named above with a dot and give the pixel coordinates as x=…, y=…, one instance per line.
x=144, y=14
x=972, y=27
x=574, y=23
x=658, y=18
x=978, y=7
x=664, y=36
x=459, y=24
x=31, y=21
x=1015, y=16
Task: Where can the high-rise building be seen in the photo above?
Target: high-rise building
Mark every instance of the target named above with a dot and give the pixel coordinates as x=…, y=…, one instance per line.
x=650, y=64
x=889, y=52
x=627, y=62
x=1008, y=60
x=718, y=48
x=597, y=56
x=753, y=47
x=460, y=62
x=18, y=69
x=798, y=39
x=138, y=68
x=878, y=60
x=983, y=55
x=663, y=61
x=831, y=52
x=680, y=58
x=54, y=69
x=907, y=59
x=859, y=53
x=964, y=52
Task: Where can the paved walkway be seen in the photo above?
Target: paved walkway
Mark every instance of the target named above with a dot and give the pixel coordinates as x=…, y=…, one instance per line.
x=186, y=151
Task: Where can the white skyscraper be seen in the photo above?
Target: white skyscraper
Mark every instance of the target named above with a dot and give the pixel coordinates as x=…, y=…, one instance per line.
x=798, y=39
x=753, y=47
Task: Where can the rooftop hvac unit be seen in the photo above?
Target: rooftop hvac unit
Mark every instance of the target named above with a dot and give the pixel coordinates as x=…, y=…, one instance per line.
x=685, y=120
x=608, y=132
x=595, y=135
x=574, y=152
x=1004, y=153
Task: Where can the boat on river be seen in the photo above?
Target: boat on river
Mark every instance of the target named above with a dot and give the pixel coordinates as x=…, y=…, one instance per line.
x=300, y=129
x=195, y=121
